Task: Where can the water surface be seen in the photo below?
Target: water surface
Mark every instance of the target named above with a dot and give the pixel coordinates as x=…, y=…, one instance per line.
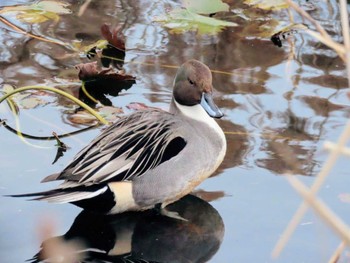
x=280, y=105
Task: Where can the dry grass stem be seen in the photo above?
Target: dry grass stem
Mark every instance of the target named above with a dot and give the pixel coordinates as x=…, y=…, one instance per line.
x=346, y=34
x=83, y=7
x=336, y=255
x=340, y=49
x=339, y=227
x=345, y=23
x=330, y=162
x=331, y=146
x=308, y=17
x=323, y=37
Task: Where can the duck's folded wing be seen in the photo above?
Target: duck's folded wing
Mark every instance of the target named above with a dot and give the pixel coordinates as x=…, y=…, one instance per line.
x=127, y=149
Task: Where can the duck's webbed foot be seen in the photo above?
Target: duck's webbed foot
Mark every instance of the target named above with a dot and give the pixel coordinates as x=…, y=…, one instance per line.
x=165, y=212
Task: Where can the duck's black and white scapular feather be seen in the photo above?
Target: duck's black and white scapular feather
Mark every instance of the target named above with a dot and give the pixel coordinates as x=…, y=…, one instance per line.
x=128, y=148
x=125, y=150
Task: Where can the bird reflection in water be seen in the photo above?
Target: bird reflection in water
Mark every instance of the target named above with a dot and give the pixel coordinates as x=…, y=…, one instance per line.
x=146, y=236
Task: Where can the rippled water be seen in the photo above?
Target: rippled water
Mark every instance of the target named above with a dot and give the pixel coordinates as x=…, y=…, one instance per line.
x=280, y=105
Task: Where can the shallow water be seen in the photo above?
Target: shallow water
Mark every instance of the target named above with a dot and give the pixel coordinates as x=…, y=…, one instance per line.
x=280, y=105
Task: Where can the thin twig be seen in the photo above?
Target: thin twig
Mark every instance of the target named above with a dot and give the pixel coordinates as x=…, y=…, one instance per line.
x=336, y=255
x=308, y=17
x=331, y=146
x=346, y=34
x=320, y=178
x=340, y=49
x=83, y=7
x=345, y=22
x=324, y=37
x=332, y=220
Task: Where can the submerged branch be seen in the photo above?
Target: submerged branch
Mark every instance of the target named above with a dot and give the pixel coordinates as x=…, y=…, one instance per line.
x=45, y=138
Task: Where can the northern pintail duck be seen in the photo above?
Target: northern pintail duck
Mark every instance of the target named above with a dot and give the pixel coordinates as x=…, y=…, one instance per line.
x=150, y=158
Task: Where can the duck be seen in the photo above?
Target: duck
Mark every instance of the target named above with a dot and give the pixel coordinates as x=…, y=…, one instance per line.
x=150, y=158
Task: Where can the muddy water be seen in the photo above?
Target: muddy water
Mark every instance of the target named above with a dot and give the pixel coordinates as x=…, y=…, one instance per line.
x=280, y=105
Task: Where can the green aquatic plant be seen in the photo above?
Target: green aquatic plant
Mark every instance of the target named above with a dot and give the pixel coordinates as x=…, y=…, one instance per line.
x=191, y=18
x=37, y=12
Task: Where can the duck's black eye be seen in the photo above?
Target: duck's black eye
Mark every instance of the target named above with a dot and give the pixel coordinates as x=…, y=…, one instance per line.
x=190, y=81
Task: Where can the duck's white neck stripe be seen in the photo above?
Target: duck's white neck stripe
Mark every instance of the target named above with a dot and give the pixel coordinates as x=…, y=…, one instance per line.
x=197, y=113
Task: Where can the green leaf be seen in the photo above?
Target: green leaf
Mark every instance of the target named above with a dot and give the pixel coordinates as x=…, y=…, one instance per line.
x=52, y=6
x=181, y=20
x=38, y=12
x=205, y=6
x=99, y=44
x=267, y=4
x=35, y=17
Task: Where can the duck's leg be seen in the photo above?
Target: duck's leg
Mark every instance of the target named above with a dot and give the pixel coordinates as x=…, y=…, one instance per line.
x=165, y=212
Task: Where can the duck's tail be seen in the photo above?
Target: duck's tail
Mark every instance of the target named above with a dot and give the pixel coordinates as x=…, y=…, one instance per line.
x=37, y=195
x=65, y=195
x=98, y=198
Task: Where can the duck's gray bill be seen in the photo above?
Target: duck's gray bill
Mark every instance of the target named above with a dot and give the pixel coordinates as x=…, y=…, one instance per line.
x=210, y=107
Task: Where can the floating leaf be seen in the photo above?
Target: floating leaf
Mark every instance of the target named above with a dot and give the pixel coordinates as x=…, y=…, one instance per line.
x=267, y=4
x=181, y=20
x=6, y=88
x=32, y=102
x=107, y=112
x=114, y=36
x=38, y=12
x=260, y=28
x=35, y=17
x=114, y=53
x=285, y=32
x=52, y=6
x=82, y=117
x=88, y=71
x=110, y=113
x=205, y=7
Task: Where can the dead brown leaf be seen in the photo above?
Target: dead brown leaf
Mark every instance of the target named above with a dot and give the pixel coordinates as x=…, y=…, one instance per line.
x=89, y=71
x=114, y=36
